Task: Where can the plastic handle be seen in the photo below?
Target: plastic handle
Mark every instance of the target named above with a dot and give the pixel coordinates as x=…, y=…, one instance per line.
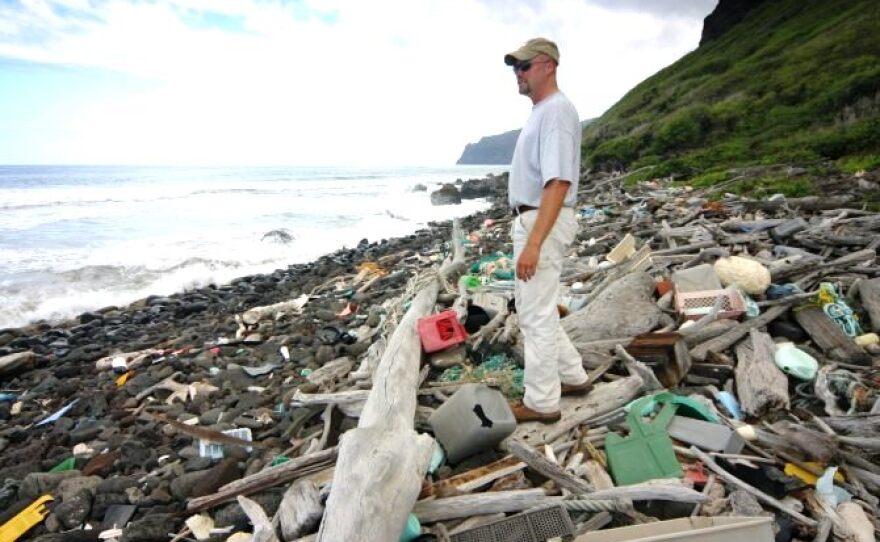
x=484, y=420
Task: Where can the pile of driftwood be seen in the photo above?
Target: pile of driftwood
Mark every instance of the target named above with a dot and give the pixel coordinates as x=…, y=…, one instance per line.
x=630, y=334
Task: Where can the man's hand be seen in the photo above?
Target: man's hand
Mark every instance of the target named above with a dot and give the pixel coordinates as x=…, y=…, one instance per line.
x=527, y=264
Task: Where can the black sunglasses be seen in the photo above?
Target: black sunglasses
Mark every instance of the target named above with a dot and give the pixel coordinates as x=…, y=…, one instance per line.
x=526, y=65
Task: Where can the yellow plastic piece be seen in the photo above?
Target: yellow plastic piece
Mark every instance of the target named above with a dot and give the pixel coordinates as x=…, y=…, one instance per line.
x=808, y=477
x=23, y=521
x=123, y=379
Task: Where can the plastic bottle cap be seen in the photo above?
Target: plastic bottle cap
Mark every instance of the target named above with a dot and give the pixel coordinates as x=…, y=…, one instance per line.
x=747, y=432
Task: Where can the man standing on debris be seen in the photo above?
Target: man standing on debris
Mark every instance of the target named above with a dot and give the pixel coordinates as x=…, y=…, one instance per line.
x=542, y=193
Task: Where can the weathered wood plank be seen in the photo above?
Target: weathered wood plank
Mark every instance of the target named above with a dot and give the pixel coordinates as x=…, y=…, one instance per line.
x=382, y=462
x=760, y=385
x=829, y=337
x=869, y=292
x=545, y=467
x=723, y=342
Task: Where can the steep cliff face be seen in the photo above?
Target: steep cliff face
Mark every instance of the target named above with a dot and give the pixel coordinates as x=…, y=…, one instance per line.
x=793, y=81
x=490, y=150
x=725, y=16
x=495, y=149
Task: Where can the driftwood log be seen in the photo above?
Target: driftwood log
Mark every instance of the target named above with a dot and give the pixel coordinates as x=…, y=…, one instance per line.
x=300, y=510
x=381, y=463
x=869, y=291
x=624, y=309
x=429, y=511
x=547, y=468
x=273, y=476
x=731, y=479
x=14, y=363
x=726, y=340
x=760, y=385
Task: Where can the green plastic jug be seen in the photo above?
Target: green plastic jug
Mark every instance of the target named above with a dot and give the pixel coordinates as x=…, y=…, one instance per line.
x=646, y=454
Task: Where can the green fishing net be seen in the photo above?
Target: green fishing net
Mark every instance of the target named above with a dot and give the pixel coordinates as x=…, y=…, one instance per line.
x=498, y=368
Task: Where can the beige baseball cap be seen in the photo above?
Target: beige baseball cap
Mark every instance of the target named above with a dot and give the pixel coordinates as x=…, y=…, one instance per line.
x=531, y=49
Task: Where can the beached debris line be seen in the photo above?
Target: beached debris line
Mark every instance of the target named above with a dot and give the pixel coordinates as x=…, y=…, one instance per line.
x=731, y=345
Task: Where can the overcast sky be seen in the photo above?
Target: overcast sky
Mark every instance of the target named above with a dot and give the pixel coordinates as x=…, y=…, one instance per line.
x=330, y=82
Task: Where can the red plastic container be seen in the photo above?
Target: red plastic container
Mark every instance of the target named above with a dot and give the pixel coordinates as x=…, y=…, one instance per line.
x=440, y=331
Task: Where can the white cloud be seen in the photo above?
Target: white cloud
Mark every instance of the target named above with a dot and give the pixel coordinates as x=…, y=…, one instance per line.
x=338, y=81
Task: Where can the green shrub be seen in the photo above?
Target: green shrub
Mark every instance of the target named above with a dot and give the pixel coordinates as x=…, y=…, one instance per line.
x=854, y=163
x=707, y=179
x=791, y=83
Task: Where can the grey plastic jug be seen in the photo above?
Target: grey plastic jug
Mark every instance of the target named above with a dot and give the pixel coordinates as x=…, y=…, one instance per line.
x=473, y=419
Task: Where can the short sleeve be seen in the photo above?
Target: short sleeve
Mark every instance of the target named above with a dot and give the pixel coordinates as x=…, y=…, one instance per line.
x=558, y=160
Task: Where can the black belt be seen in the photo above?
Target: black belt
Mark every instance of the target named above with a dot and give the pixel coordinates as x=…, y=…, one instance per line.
x=522, y=209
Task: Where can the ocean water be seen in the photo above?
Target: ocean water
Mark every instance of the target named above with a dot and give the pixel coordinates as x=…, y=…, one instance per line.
x=78, y=238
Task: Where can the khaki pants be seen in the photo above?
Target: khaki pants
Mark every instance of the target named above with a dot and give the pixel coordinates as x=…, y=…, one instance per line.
x=550, y=358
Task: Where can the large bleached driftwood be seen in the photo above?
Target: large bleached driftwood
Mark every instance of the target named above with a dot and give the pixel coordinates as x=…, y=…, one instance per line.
x=624, y=309
x=760, y=385
x=381, y=462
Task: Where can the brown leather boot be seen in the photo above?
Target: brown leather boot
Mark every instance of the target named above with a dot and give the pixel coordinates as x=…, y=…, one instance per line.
x=577, y=389
x=522, y=413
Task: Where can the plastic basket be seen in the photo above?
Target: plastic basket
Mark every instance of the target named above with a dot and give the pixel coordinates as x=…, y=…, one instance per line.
x=694, y=305
x=533, y=526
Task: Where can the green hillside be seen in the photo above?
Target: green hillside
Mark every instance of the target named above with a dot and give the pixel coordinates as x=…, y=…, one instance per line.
x=794, y=82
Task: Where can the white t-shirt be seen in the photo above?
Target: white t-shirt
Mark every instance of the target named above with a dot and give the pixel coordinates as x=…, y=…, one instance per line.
x=548, y=147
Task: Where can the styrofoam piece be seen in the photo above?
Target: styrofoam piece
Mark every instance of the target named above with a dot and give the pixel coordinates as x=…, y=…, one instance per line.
x=709, y=436
x=214, y=450
x=697, y=278
x=624, y=249
x=696, y=529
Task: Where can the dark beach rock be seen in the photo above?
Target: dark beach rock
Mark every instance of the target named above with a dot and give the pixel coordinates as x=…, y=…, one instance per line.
x=117, y=484
x=86, y=431
x=447, y=195
x=154, y=528
x=135, y=453
x=420, y=188
x=40, y=483
x=481, y=188
x=74, y=510
x=232, y=514
x=87, y=317
x=72, y=536
x=70, y=487
x=183, y=486
x=282, y=236
x=103, y=501
x=219, y=475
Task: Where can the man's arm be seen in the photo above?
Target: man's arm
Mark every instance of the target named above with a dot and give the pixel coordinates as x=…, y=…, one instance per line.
x=552, y=198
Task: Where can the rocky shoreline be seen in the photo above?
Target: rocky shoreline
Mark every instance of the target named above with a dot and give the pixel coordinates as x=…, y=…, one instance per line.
x=192, y=337
x=181, y=414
